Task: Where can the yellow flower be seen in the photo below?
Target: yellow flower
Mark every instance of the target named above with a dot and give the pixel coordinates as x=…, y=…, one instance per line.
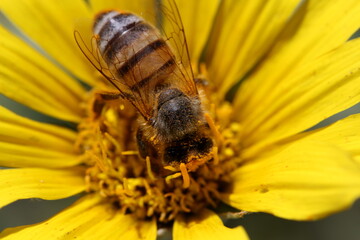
x=285, y=65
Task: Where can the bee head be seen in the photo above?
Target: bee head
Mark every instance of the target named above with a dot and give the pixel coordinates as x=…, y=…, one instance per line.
x=192, y=145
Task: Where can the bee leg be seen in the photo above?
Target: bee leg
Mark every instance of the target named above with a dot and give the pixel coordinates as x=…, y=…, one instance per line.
x=148, y=151
x=201, y=79
x=100, y=98
x=171, y=177
x=108, y=96
x=146, y=148
x=148, y=167
x=202, y=82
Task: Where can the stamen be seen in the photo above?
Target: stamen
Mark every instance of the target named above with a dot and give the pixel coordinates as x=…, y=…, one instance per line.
x=216, y=156
x=148, y=167
x=218, y=138
x=171, y=168
x=183, y=205
x=147, y=186
x=185, y=175
x=113, y=141
x=211, y=201
x=129, y=153
x=99, y=162
x=172, y=176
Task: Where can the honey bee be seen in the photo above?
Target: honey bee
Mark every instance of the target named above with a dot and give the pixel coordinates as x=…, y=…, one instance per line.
x=174, y=131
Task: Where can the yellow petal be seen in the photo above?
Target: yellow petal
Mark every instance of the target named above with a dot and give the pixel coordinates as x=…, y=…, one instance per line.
x=15, y=155
x=197, y=18
x=118, y=226
x=23, y=131
x=88, y=218
x=8, y=117
x=345, y=134
x=243, y=32
x=205, y=225
x=30, y=79
x=144, y=8
x=318, y=27
x=46, y=184
x=316, y=91
x=305, y=180
x=27, y=143
x=51, y=25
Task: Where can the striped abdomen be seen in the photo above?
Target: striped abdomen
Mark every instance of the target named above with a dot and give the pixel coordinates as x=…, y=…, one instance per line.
x=133, y=49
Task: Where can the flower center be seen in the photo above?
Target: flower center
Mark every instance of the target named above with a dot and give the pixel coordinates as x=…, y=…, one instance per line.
x=117, y=172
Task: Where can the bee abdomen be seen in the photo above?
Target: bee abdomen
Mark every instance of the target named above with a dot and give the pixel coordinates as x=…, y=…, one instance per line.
x=133, y=49
x=112, y=24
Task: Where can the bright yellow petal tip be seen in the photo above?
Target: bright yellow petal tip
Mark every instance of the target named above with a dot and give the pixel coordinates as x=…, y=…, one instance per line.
x=205, y=225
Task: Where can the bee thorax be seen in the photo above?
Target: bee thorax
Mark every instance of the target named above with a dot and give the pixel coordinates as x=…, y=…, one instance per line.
x=177, y=114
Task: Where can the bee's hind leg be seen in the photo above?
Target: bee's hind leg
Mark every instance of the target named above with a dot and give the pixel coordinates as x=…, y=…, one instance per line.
x=108, y=96
x=100, y=99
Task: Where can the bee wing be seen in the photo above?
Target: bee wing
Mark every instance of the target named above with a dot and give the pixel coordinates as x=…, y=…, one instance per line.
x=93, y=54
x=173, y=30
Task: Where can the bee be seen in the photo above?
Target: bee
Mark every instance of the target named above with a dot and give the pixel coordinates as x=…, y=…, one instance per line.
x=175, y=132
